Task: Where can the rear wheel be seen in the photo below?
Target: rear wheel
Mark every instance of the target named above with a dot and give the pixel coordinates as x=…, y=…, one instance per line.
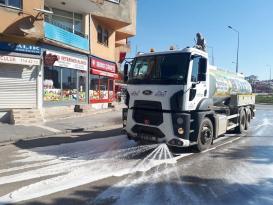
x=205, y=135
x=248, y=118
x=241, y=128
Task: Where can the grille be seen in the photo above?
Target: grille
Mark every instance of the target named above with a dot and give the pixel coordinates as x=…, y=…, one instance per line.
x=148, y=130
x=148, y=112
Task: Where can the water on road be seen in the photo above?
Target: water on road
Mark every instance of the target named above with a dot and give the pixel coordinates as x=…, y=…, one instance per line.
x=232, y=172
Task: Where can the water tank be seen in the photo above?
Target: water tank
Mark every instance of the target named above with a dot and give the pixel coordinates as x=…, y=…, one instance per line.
x=224, y=83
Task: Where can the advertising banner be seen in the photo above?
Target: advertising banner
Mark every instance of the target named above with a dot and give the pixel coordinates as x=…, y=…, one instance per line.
x=68, y=61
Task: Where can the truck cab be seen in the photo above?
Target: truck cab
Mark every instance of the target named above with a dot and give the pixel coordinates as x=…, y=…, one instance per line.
x=168, y=99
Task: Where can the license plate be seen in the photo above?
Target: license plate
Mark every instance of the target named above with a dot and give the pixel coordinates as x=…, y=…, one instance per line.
x=147, y=137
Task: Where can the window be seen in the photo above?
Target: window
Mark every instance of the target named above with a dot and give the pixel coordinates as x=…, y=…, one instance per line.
x=103, y=35
x=101, y=89
x=69, y=84
x=52, y=84
x=160, y=69
x=64, y=85
x=70, y=21
x=100, y=34
x=195, y=69
x=11, y=3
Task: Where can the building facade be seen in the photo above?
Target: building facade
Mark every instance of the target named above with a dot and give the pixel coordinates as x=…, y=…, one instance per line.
x=62, y=52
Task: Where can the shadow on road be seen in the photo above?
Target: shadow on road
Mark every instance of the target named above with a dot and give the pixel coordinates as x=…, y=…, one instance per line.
x=62, y=139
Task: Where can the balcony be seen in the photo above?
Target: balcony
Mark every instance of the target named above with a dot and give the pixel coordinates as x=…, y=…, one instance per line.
x=58, y=32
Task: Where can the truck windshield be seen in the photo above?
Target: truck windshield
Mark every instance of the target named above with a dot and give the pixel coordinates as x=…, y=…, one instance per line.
x=160, y=69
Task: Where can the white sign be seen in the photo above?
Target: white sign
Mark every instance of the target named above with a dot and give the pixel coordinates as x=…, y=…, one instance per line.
x=69, y=61
x=19, y=60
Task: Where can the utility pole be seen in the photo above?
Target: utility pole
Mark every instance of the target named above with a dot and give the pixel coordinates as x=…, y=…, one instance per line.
x=238, y=45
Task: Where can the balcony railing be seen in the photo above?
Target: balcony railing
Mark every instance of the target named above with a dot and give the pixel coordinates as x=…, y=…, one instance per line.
x=56, y=31
x=60, y=25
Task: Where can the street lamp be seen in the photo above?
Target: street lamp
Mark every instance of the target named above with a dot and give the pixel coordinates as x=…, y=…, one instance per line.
x=269, y=83
x=269, y=66
x=237, y=63
x=212, y=55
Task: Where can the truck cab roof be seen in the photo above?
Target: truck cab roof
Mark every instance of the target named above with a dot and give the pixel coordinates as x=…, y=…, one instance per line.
x=185, y=50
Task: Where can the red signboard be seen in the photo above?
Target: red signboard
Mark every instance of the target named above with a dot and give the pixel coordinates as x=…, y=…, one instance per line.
x=103, y=73
x=99, y=64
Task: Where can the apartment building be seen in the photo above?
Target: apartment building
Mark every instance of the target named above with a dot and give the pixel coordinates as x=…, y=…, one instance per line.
x=62, y=52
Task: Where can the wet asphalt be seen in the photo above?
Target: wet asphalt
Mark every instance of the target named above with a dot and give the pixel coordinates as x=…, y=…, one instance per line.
x=96, y=168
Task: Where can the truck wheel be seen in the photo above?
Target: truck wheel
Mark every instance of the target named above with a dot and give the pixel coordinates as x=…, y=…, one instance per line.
x=205, y=135
x=248, y=118
x=240, y=129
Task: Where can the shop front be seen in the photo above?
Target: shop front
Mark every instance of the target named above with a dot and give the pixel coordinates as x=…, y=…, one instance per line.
x=65, y=78
x=101, y=82
x=20, y=66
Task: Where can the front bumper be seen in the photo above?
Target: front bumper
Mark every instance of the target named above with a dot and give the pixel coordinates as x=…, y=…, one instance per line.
x=169, y=131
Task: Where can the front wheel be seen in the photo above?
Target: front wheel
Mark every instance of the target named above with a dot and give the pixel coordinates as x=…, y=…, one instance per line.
x=205, y=135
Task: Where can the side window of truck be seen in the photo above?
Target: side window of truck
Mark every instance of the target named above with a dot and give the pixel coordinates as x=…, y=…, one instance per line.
x=195, y=68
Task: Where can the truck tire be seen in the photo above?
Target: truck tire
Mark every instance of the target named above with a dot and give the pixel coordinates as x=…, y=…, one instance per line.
x=241, y=128
x=248, y=118
x=205, y=135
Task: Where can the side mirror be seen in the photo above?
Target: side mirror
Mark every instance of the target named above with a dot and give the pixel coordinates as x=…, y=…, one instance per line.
x=202, y=73
x=125, y=72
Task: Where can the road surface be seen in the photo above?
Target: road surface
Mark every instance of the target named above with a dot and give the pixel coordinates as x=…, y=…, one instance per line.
x=103, y=167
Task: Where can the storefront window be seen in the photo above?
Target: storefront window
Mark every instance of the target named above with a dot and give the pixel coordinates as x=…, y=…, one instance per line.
x=82, y=85
x=94, y=87
x=111, y=89
x=69, y=84
x=101, y=89
x=64, y=85
x=52, y=84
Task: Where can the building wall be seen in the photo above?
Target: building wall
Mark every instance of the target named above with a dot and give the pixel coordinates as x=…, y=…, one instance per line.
x=98, y=49
x=25, y=23
x=119, y=12
x=130, y=30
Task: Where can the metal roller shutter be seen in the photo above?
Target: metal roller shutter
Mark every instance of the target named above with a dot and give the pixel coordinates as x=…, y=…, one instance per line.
x=18, y=86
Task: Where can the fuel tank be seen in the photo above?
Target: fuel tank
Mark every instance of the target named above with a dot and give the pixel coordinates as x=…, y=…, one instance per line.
x=225, y=83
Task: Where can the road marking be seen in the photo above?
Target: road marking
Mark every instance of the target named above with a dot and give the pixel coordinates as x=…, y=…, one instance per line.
x=228, y=142
x=51, y=129
x=213, y=148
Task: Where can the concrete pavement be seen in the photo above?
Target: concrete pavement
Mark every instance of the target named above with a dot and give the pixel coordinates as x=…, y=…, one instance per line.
x=12, y=133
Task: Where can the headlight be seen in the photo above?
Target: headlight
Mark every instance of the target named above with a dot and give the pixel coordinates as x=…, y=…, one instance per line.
x=180, y=131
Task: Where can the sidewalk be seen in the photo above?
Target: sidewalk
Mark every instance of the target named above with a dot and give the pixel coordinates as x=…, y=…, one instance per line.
x=11, y=133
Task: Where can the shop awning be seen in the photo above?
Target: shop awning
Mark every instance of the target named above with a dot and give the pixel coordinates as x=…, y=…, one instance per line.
x=103, y=73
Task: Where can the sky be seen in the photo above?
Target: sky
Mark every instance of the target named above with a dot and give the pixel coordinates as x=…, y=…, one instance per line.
x=162, y=23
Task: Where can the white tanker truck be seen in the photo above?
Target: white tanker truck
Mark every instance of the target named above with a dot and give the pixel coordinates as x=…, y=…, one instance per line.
x=176, y=97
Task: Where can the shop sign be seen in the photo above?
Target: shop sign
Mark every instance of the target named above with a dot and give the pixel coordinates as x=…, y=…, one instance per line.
x=103, y=73
x=68, y=61
x=49, y=59
x=19, y=60
x=20, y=48
x=99, y=64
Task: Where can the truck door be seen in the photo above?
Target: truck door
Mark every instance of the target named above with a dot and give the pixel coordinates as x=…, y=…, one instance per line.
x=198, y=90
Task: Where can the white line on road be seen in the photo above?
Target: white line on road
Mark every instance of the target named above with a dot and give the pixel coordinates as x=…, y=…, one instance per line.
x=51, y=129
x=188, y=154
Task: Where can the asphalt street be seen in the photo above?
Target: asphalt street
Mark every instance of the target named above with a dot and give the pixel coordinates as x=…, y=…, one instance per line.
x=100, y=166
